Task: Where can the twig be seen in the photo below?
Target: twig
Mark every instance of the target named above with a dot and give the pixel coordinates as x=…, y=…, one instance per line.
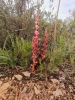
x=56, y=26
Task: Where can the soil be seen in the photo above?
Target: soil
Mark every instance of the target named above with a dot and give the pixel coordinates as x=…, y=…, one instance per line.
x=57, y=85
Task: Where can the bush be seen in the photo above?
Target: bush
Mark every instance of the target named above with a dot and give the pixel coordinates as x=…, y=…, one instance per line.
x=5, y=58
x=21, y=52
x=57, y=57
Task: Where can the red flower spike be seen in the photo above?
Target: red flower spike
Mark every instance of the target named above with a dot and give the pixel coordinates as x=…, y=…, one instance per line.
x=35, y=45
x=35, y=42
x=45, y=45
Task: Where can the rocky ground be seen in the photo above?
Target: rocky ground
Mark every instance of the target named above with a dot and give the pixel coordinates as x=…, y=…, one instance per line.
x=19, y=85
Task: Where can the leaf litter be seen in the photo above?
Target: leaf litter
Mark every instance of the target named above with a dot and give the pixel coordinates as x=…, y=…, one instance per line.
x=27, y=86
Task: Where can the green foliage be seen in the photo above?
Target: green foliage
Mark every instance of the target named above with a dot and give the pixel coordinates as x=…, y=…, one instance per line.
x=61, y=42
x=57, y=57
x=72, y=58
x=5, y=58
x=70, y=50
x=21, y=52
x=41, y=66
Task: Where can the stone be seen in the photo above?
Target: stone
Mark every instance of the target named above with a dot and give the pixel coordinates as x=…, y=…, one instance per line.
x=57, y=93
x=55, y=81
x=18, y=77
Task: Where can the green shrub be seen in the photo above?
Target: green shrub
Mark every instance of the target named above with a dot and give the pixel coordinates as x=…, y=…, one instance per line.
x=21, y=52
x=70, y=51
x=5, y=58
x=57, y=57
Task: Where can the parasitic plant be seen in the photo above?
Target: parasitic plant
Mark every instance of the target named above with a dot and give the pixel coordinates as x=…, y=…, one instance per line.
x=45, y=45
x=38, y=53
x=35, y=43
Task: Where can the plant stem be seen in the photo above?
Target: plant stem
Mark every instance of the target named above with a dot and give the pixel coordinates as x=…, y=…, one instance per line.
x=56, y=26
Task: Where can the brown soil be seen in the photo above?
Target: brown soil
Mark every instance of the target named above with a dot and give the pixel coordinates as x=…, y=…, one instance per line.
x=59, y=85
